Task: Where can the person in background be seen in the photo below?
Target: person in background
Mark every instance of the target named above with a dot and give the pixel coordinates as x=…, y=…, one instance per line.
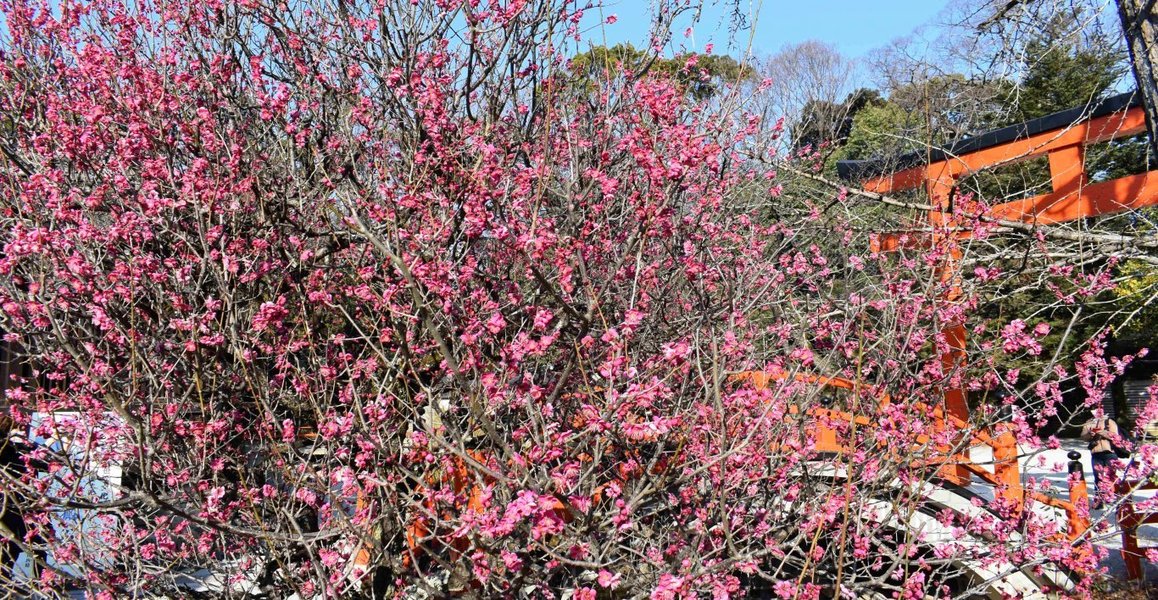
x=10, y=515
x=1098, y=432
x=14, y=464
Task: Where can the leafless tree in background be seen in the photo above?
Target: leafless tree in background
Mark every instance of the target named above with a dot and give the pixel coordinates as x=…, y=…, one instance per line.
x=811, y=80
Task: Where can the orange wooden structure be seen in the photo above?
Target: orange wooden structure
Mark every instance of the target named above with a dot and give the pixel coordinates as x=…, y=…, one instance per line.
x=1062, y=138
x=1129, y=518
x=1005, y=477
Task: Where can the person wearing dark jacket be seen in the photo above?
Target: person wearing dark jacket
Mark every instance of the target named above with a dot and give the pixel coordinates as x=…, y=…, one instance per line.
x=11, y=467
x=1098, y=432
x=14, y=465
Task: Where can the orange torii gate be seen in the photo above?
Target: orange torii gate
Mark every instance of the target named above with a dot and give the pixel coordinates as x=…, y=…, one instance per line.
x=1061, y=137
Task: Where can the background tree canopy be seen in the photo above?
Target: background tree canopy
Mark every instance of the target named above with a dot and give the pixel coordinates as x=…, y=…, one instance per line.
x=701, y=75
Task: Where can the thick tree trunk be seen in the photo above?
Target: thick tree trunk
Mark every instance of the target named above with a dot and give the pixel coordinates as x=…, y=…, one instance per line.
x=1140, y=26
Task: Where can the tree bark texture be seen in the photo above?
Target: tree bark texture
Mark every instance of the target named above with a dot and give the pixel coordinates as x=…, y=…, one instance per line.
x=1140, y=27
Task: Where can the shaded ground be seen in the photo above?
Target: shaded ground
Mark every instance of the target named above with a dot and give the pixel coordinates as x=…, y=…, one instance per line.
x=1126, y=591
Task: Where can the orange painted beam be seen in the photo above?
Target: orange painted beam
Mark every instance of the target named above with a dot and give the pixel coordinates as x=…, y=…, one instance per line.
x=1094, y=131
x=1107, y=197
x=939, y=183
x=954, y=397
x=892, y=241
x=1067, y=169
x=896, y=182
x=1131, y=192
x=1006, y=469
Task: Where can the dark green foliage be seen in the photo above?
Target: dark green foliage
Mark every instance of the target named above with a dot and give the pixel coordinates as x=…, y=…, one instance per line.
x=917, y=116
x=702, y=75
x=1063, y=75
x=822, y=121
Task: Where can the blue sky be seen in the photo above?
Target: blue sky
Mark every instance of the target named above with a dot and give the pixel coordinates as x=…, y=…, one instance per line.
x=854, y=26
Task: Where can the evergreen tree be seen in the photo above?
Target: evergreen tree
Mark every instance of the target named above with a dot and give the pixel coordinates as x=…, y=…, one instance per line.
x=701, y=75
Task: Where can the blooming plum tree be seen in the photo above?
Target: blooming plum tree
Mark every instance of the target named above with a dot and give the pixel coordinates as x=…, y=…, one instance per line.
x=341, y=298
